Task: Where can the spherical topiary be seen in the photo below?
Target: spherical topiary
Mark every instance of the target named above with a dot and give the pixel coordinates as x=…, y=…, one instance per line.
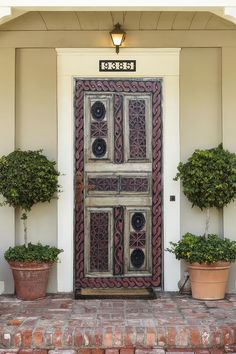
x=27, y=178
x=209, y=177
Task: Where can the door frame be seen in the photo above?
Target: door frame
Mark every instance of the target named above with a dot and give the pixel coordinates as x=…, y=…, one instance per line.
x=151, y=63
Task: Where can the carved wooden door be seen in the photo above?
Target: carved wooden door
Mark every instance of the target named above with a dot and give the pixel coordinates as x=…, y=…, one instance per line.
x=118, y=179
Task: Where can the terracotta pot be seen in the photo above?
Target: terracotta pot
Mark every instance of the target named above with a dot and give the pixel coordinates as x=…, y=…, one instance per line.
x=208, y=281
x=31, y=279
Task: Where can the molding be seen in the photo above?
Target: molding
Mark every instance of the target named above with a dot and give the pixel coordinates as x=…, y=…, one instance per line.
x=135, y=39
x=110, y=51
x=93, y=55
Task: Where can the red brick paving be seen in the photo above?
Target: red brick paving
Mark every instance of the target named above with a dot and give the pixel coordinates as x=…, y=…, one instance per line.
x=170, y=324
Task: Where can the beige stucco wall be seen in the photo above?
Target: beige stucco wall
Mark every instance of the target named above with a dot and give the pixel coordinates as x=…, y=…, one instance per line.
x=7, y=144
x=201, y=120
x=200, y=123
x=207, y=117
x=36, y=128
x=229, y=139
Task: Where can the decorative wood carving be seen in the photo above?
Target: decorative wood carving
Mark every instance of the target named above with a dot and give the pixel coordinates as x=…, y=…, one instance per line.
x=129, y=184
x=118, y=240
x=99, y=234
x=137, y=129
x=137, y=239
x=120, y=87
x=118, y=129
x=99, y=130
x=104, y=184
x=118, y=184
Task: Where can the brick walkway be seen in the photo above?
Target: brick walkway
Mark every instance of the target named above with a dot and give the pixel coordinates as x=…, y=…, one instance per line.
x=172, y=322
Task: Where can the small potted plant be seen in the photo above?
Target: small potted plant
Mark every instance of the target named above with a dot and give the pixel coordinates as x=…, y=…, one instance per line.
x=28, y=178
x=209, y=180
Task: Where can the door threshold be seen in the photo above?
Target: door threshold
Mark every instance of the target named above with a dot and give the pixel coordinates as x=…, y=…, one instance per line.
x=115, y=293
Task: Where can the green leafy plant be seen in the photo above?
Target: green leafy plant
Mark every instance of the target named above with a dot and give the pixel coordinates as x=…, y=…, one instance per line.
x=198, y=249
x=28, y=178
x=32, y=253
x=209, y=179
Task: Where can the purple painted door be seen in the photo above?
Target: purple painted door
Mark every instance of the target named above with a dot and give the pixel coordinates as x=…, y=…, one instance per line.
x=118, y=183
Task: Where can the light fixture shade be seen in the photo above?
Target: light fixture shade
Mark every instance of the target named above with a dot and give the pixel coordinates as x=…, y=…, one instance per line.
x=117, y=36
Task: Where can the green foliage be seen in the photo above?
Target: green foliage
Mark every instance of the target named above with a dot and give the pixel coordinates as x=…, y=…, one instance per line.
x=209, y=177
x=27, y=178
x=194, y=248
x=32, y=253
x=209, y=180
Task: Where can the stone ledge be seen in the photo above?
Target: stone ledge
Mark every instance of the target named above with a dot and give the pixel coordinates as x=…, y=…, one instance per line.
x=64, y=337
x=121, y=351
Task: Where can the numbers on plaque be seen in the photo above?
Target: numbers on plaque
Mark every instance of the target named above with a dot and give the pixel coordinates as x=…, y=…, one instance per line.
x=117, y=65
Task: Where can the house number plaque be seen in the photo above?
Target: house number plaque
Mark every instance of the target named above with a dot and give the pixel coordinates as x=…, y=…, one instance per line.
x=117, y=65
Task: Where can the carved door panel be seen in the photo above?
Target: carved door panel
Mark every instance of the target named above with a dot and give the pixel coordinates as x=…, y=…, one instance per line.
x=118, y=169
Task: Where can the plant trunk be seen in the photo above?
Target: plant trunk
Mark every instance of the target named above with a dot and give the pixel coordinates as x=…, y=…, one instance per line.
x=24, y=218
x=207, y=222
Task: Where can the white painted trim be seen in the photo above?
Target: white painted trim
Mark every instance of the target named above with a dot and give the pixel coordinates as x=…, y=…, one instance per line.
x=8, y=13
x=227, y=13
x=230, y=14
x=121, y=3
x=156, y=63
x=5, y=11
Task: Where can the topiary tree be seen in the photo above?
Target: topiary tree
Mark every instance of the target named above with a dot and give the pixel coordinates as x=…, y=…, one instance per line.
x=27, y=178
x=209, y=179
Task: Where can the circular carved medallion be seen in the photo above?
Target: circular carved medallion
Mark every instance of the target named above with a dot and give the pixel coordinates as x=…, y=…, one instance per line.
x=138, y=221
x=98, y=110
x=99, y=147
x=137, y=258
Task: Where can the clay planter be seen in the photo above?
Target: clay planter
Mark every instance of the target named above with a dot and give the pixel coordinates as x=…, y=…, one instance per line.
x=31, y=279
x=208, y=281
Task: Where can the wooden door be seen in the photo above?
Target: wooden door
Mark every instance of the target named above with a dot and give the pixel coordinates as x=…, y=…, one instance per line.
x=118, y=183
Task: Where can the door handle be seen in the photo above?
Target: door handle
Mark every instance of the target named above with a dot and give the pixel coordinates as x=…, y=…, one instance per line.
x=79, y=186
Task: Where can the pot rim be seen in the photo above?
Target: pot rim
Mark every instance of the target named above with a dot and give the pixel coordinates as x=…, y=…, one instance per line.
x=215, y=265
x=30, y=265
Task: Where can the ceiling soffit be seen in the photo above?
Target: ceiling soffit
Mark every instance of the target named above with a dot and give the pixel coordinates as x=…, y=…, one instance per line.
x=104, y=20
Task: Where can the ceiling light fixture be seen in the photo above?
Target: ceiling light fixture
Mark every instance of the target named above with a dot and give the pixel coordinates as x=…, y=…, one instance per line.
x=117, y=36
